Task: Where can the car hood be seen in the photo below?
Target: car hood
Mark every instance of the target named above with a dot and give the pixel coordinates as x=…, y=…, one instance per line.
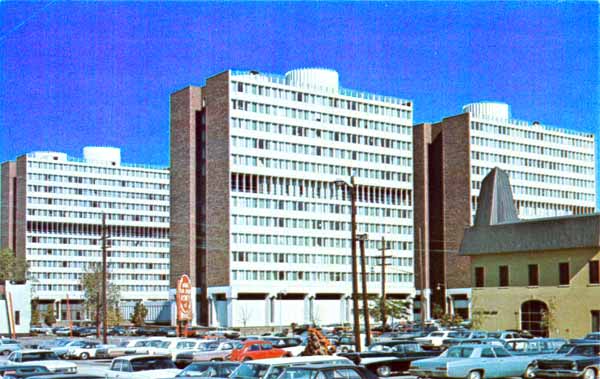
x=566, y=358
x=369, y=360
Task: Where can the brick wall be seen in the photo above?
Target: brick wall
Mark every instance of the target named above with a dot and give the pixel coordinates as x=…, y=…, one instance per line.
x=7, y=221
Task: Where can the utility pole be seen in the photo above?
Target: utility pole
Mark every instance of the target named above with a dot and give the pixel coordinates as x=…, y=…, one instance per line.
x=383, y=299
x=104, y=305
x=365, y=299
x=356, y=310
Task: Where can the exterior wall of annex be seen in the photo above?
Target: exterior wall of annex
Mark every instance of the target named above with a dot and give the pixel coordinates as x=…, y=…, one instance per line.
x=552, y=173
x=52, y=207
x=263, y=226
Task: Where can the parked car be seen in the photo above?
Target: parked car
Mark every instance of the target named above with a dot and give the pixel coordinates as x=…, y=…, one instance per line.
x=62, y=348
x=84, y=350
x=85, y=332
x=504, y=335
x=142, y=367
x=292, y=344
x=534, y=346
x=46, y=358
x=174, y=346
x=590, y=338
x=67, y=376
x=257, y=350
x=327, y=371
x=434, y=340
x=583, y=361
x=208, y=370
x=390, y=357
x=464, y=336
x=483, y=341
x=272, y=368
x=18, y=372
x=139, y=346
x=7, y=346
x=40, y=330
x=473, y=362
x=117, y=331
x=206, y=351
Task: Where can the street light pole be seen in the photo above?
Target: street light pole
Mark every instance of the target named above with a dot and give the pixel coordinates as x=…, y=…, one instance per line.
x=355, y=311
x=363, y=264
x=104, y=305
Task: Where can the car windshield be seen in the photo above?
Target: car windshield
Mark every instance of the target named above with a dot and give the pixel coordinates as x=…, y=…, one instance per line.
x=456, y=335
x=247, y=370
x=158, y=363
x=588, y=350
x=41, y=356
x=78, y=343
x=459, y=352
x=412, y=347
x=593, y=336
x=61, y=343
x=238, y=345
x=207, y=347
x=564, y=349
x=157, y=343
x=123, y=344
x=163, y=344
x=494, y=335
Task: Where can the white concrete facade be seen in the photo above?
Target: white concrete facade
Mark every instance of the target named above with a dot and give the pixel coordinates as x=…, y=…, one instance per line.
x=291, y=138
x=66, y=198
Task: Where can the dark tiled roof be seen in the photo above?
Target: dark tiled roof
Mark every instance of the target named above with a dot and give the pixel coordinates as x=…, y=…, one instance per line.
x=498, y=230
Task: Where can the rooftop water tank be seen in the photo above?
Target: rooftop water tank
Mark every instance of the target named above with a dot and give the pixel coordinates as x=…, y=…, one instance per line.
x=316, y=78
x=488, y=109
x=111, y=155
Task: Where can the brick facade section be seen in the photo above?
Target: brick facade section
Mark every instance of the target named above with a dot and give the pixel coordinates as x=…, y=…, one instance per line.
x=442, y=204
x=21, y=211
x=8, y=203
x=217, y=180
x=184, y=105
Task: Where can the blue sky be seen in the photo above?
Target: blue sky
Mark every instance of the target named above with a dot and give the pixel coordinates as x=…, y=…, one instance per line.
x=77, y=74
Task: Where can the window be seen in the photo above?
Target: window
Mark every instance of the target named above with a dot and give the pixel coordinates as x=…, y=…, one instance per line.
x=595, y=321
x=479, y=277
x=17, y=317
x=487, y=353
x=534, y=277
x=503, y=274
x=594, y=272
x=563, y=274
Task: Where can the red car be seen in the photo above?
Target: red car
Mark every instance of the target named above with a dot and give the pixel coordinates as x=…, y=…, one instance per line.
x=250, y=350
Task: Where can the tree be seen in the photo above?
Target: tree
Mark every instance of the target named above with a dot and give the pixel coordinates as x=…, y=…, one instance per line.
x=91, y=283
x=35, y=313
x=245, y=314
x=138, y=317
x=12, y=267
x=49, y=317
x=395, y=308
x=114, y=317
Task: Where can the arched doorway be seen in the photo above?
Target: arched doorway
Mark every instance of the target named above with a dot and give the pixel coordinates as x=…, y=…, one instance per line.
x=534, y=317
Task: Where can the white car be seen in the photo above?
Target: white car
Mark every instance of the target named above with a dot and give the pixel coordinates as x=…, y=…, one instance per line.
x=142, y=367
x=46, y=358
x=174, y=346
x=436, y=339
x=144, y=346
x=84, y=350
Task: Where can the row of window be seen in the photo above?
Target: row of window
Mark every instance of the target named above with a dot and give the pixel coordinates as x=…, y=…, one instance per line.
x=529, y=209
x=95, y=242
x=534, y=177
x=535, y=163
x=97, y=204
x=326, y=259
x=120, y=172
x=319, y=225
x=317, y=168
x=96, y=193
x=96, y=230
x=533, y=274
x=111, y=276
x=96, y=181
x=543, y=192
x=317, y=189
x=97, y=253
x=314, y=276
x=370, y=211
x=327, y=135
x=529, y=134
x=63, y=288
x=87, y=265
x=513, y=146
x=95, y=215
x=324, y=101
x=276, y=240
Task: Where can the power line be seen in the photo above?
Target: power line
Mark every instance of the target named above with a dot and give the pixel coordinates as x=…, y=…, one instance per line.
x=22, y=23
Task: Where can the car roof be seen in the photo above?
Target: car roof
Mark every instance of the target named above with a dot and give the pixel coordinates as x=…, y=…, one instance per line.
x=313, y=358
x=318, y=366
x=26, y=351
x=132, y=357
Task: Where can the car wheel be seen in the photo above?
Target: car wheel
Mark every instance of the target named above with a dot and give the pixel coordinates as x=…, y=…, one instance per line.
x=528, y=372
x=6, y=352
x=589, y=373
x=247, y=359
x=384, y=371
x=84, y=356
x=475, y=375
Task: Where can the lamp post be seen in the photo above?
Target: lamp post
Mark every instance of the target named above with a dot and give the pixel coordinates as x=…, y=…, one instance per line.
x=352, y=188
